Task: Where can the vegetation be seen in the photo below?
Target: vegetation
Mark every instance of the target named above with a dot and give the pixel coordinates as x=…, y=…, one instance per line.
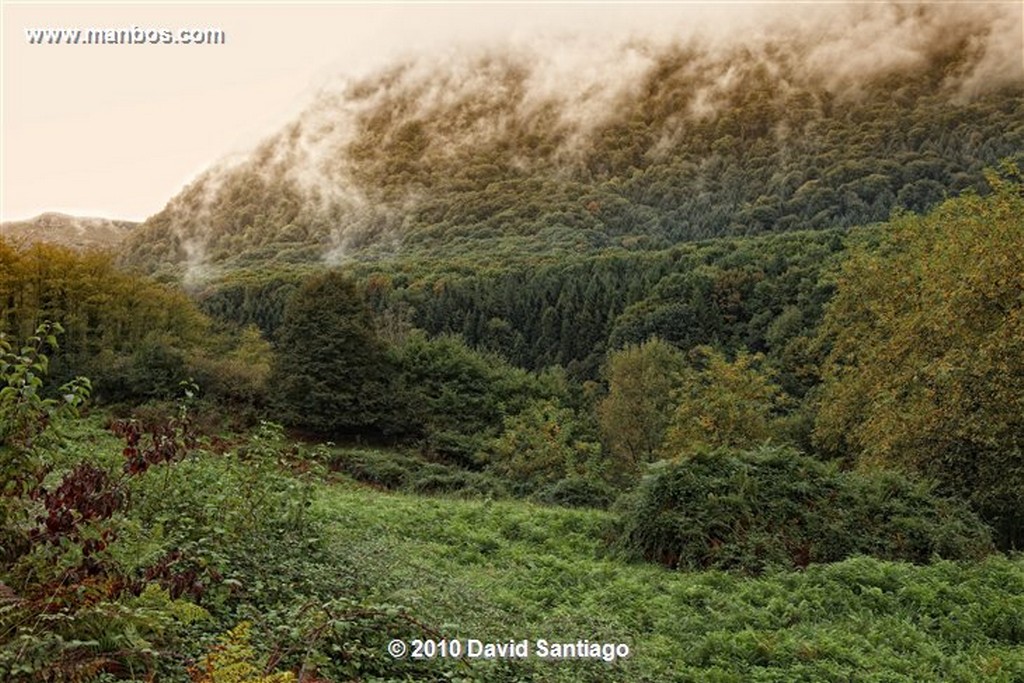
x=134, y=338
x=730, y=375
x=634, y=416
x=927, y=359
x=502, y=570
x=722, y=403
x=130, y=561
x=748, y=511
x=332, y=376
x=699, y=144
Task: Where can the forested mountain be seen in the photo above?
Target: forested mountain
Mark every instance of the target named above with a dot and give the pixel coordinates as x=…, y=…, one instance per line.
x=643, y=144
x=71, y=231
x=758, y=293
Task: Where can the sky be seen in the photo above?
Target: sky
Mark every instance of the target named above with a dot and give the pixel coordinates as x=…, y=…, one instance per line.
x=116, y=130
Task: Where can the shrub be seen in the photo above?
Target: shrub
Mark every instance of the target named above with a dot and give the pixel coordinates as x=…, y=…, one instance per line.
x=234, y=660
x=747, y=511
x=542, y=445
x=70, y=609
x=578, y=492
x=406, y=472
x=454, y=398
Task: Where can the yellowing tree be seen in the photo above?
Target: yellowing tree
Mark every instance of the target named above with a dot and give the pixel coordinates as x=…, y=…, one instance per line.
x=722, y=403
x=543, y=444
x=926, y=369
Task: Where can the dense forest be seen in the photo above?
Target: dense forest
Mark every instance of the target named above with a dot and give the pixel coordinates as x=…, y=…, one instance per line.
x=722, y=364
x=474, y=157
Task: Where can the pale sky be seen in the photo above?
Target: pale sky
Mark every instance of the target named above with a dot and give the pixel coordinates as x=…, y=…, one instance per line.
x=117, y=130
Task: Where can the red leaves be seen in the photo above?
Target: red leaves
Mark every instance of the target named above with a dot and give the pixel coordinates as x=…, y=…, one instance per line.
x=86, y=494
x=168, y=441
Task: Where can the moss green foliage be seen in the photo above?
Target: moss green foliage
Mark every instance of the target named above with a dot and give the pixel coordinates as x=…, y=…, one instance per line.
x=927, y=353
x=135, y=338
x=220, y=534
x=27, y=416
x=764, y=294
x=340, y=370
x=578, y=491
x=453, y=399
x=751, y=510
x=69, y=610
x=636, y=412
x=544, y=444
x=409, y=472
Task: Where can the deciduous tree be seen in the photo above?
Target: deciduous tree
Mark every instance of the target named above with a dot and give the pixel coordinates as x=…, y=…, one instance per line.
x=927, y=362
x=635, y=414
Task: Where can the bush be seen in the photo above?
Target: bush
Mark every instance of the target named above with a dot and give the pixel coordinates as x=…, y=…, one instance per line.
x=373, y=467
x=453, y=398
x=773, y=507
x=440, y=479
x=578, y=493
x=542, y=445
x=405, y=472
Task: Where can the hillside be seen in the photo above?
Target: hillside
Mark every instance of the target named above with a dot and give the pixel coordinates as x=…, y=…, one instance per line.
x=77, y=232
x=509, y=571
x=640, y=144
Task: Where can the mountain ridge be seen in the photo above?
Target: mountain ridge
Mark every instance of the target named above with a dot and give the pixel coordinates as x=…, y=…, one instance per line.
x=807, y=127
x=77, y=232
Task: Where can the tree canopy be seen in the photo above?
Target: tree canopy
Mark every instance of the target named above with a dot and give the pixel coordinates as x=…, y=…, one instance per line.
x=331, y=371
x=927, y=352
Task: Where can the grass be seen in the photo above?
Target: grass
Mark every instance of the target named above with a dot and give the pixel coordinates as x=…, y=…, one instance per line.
x=501, y=570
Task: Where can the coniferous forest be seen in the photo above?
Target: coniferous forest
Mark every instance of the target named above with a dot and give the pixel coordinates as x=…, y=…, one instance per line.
x=716, y=374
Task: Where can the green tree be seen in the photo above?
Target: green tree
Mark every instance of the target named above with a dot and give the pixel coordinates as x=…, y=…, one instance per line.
x=634, y=415
x=450, y=396
x=331, y=369
x=722, y=403
x=543, y=444
x=927, y=356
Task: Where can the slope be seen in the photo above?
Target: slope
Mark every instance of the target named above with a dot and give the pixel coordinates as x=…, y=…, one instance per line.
x=642, y=144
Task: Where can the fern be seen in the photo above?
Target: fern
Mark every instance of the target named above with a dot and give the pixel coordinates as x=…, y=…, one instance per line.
x=233, y=660
x=158, y=600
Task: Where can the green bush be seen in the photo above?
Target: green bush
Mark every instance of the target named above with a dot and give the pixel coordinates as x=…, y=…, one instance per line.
x=578, y=492
x=773, y=507
x=398, y=471
x=452, y=398
x=390, y=471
